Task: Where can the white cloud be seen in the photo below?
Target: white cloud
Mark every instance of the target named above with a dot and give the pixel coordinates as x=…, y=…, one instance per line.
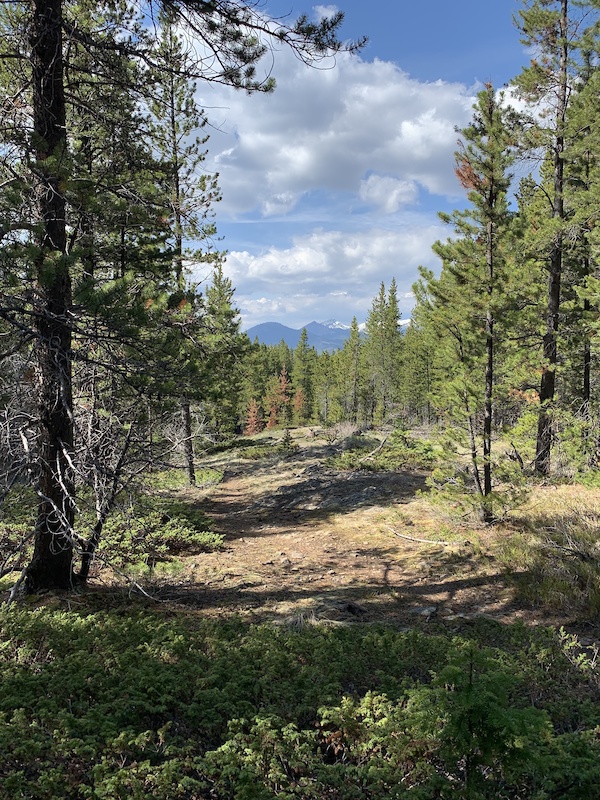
x=324, y=12
x=329, y=128
x=329, y=274
x=387, y=193
x=351, y=149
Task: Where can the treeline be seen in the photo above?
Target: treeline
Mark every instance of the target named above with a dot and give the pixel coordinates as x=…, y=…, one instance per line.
x=504, y=340
x=361, y=382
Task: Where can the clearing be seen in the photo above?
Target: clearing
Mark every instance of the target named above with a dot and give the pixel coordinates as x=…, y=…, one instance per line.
x=306, y=543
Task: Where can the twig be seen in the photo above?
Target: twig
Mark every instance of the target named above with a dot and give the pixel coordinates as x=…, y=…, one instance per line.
x=17, y=587
x=414, y=538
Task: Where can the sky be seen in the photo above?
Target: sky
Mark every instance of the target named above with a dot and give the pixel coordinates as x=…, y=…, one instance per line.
x=332, y=184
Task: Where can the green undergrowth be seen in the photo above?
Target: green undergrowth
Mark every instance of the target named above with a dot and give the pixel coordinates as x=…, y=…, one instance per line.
x=257, y=452
x=130, y=703
x=144, y=534
x=173, y=479
x=140, y=542
x=400, y=451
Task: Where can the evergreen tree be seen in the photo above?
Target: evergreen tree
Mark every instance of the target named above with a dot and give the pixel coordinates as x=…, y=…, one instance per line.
x=553, y=31
x=325, y=376
x=382, y=352
x=417, y=372
x=40, y=249
x=464, y=304
x=302, y=376
x=222, y=346
x=176, y=122
x=482, y=168
x=350, y=374
x=254, y=422
x=278, y=399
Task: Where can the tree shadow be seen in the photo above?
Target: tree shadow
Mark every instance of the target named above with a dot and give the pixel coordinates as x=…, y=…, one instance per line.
x=316, y=497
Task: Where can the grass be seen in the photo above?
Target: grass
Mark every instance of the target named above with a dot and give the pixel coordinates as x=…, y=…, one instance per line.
x=554, y=551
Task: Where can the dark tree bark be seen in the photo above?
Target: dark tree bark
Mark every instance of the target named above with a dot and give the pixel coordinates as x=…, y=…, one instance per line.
x=489, y=369
x=51, y=566
x=188, y=442
x=550, y=349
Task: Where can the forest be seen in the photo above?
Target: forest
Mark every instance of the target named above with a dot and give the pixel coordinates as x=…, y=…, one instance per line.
x=232, y=570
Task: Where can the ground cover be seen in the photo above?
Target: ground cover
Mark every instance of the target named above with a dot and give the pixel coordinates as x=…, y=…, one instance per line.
x=345, y=637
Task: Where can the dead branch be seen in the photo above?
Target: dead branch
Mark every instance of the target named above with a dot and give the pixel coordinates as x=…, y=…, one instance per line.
x=373, y=452
x=414, y=538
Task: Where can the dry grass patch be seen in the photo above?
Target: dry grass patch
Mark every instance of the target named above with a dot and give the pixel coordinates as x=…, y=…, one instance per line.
x=553, y=550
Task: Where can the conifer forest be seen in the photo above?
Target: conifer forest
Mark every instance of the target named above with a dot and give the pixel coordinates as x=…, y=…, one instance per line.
x=239, y=571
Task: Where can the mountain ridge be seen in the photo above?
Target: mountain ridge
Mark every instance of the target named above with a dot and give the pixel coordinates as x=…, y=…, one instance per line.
x=329, y=335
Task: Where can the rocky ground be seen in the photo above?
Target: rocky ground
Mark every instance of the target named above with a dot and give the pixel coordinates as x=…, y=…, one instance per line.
x=307, y=543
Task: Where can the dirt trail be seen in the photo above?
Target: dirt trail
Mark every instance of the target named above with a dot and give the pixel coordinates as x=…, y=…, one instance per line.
x=305, y=542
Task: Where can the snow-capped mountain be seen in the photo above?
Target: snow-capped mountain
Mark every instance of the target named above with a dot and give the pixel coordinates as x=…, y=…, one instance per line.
x=335, y=324
x=329, y=335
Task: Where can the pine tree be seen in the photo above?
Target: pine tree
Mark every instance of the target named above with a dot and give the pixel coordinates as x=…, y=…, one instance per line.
x=254, y=423
x=417, y=372
x=278, y=399
x=191, y=194
x=482, y=168
x=382, y=352
x=302, y=376
x=550, y=29
x=350, y=374
x=464, y=304
x=223, y=345
x=48, y=195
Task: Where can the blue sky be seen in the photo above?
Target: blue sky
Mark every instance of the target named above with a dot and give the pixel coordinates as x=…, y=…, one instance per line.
x=332, y=184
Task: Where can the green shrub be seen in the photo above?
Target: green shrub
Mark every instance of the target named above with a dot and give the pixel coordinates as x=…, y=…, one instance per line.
x=399, y=452
x=144, y=541
x=134, y=704
x=173, y=479
x=452, y=486
x=287, y=446
x=258, y=452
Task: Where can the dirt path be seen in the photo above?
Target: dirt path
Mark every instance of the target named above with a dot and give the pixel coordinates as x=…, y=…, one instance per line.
x=305, y=542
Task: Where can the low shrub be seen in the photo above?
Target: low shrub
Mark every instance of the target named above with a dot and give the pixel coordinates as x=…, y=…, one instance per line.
x=141, y=542
x=130, y=703
x=399, y=452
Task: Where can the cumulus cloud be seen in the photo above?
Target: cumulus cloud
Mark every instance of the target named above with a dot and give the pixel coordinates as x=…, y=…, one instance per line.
x=329, y=274
x=329, y=129
x=333, y=169
x=387, y=193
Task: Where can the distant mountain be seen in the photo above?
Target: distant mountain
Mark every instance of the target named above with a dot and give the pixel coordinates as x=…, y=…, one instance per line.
x=336, y=324
x=329, y=335
x=273, y=332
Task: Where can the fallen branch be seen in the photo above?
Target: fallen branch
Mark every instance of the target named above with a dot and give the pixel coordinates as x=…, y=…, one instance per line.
x=414, y=538
x=372, y=453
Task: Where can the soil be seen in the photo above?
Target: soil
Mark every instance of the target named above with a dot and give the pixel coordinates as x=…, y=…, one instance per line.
x=305, y=543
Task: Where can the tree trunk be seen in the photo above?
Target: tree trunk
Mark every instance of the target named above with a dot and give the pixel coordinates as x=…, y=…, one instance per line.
x=550, y=349
x=587, y=366
x=489, y=374
x=51, y=566
x=188, y=444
